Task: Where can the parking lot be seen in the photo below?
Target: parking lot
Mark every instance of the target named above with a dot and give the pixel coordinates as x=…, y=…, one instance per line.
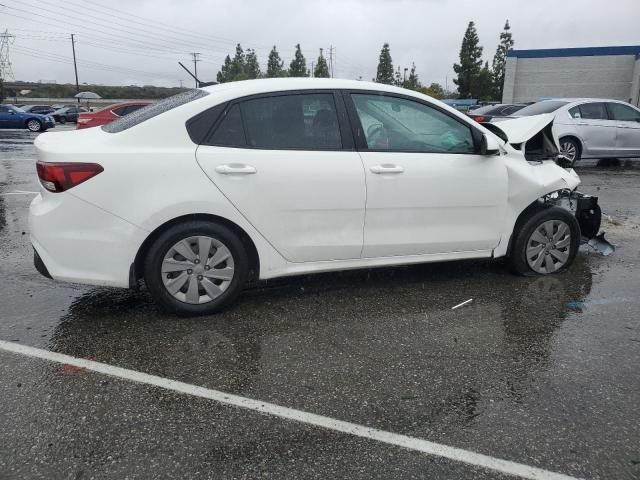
x=540, y=371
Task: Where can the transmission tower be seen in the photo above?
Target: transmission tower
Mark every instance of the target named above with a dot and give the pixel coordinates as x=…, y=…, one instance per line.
x=6, y=39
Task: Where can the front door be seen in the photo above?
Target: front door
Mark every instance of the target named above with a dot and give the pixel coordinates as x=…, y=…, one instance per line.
x=283, y=162
x=428, y=188
x=627, y=121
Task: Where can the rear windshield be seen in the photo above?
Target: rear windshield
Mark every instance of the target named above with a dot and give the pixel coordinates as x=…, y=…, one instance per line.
x=546, y=106
x=487, y=110
x=153, y=110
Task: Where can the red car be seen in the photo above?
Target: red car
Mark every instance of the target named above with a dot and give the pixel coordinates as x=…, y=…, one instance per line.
x=109, y=114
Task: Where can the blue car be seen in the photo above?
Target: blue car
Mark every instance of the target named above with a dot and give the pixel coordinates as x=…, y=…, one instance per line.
x=14, y=117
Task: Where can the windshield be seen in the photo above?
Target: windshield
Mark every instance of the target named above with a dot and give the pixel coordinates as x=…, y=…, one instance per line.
x=153, y=110
x=546, y=106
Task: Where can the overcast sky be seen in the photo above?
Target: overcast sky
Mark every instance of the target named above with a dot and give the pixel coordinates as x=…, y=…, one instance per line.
x=140, y=41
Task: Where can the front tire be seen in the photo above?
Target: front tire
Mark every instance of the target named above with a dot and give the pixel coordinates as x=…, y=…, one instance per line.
x=196, y=268
x=63, y=120
x=545, y=243
x=34, y=125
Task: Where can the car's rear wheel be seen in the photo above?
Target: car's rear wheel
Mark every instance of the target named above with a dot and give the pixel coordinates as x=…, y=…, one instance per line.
x=571, y=149
x=63, y=120
x=546, y=242
x=34, y=125
x=196, y=268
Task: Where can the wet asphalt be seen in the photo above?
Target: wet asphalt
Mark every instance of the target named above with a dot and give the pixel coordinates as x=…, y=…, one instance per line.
x=541, y=371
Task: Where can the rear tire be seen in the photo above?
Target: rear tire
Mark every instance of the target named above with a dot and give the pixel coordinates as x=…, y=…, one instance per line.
x=571, y=148
x=63, y=120
x=196, y=268
x=544, y=243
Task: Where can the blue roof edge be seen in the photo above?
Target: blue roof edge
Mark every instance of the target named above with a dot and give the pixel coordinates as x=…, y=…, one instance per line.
x=576, y=52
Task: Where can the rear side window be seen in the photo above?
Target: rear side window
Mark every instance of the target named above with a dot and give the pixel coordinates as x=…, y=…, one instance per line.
x=594, y=111
x=120, y=111
x=153, y=110
x=230, y=132
x=301, y=121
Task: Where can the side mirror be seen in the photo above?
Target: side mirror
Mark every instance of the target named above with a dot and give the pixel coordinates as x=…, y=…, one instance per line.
x=489, y=145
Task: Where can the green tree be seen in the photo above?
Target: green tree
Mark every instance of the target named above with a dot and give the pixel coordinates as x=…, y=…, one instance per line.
x=275, y=65
x=470, y=62
x=252, y=67
x=500, y=60
x=322, y=69
x=483, y=87
x=412, y=83
x=385, y=66
x=224, y=75
x=237, y=70
x=434, y=90
x=298, y=66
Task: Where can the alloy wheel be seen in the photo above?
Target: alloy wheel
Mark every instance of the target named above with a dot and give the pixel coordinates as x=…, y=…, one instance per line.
x=197, y=269
x=549, y=247
x=33, y=125
x=568, y=150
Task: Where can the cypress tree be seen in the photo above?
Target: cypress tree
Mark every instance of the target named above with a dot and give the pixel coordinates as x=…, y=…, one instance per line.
x=470, y=62
x=252, y=67
x=322, y=69
x=236, y=72
x=298, y=66
x=385, y=66
x=223, y=74
x=275, y=65
x=500, y=60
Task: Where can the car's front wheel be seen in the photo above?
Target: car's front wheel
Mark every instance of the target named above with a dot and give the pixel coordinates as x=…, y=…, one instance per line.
x=63, y=120
x=196, y=268
x=34, y=125
x=546, y=242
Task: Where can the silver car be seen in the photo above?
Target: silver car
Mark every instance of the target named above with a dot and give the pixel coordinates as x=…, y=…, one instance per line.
x=592, y=128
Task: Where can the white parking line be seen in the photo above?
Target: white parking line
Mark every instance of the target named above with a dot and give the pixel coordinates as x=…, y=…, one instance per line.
x=411, y=443
x=18, y=192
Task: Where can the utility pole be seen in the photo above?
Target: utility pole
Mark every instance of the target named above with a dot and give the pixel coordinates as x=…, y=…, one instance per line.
x=6, y=71
x=195, y=65
x=75, y=66
x=331, y=60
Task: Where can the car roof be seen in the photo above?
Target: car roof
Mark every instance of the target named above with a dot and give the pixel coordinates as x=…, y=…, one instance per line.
x=267, y=85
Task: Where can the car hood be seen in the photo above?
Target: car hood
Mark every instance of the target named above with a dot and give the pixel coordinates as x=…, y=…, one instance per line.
x=519, y=130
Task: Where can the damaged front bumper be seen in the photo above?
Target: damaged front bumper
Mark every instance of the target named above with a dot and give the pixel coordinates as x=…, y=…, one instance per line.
x=587, y=212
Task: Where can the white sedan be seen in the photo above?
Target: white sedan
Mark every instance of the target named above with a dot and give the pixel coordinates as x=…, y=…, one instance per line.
x=204, y=191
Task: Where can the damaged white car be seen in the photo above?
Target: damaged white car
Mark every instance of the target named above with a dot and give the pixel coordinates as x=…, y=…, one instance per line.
x=202, y=192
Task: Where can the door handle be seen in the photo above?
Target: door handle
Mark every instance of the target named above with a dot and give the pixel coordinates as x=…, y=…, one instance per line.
x=623, y=126
x=232, y=168
x=386, y=168
x=581, y=123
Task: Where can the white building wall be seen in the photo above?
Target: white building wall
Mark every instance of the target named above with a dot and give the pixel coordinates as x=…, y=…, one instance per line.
x=602, y=76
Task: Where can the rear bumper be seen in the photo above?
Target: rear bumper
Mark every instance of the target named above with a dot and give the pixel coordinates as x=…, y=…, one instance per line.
x=75, y=241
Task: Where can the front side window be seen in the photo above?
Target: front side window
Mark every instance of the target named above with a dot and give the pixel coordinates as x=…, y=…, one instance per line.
x=397, y=124
x=623, y=113
x=300, y=121
x=593, y=111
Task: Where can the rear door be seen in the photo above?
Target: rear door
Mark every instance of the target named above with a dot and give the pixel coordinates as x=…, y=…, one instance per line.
x=286, y=161
x=627, y=121
x=596, y=130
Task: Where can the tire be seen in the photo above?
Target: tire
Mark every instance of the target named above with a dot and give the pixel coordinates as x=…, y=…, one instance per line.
x=197, y=288
x=63, y=120
x=34, y=125
x=571, y=148
x=545, y=257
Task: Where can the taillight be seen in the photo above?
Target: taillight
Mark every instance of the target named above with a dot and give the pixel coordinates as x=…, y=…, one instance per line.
x=58, y=177
x=480, y=118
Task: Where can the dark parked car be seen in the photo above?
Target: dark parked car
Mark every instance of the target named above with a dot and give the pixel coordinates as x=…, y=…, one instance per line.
x=488, y=112
x=14, y=117
x=41, y=109
x=68, y=114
